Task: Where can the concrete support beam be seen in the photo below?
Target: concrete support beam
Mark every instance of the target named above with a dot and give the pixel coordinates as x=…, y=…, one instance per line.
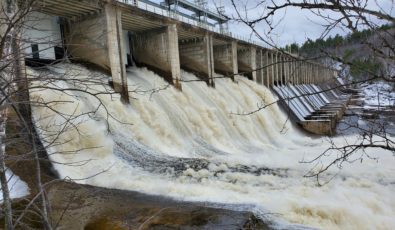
x=311, y=74
x=299, y=72
x=99, y=40
x=285, y=66
x=225, y=59
x=286, y=70
x=306, y=72
x=265, y=70
x=277, y=75
x=246, y=59
x=259, y=66
x=291, y=71
x=281, y=69
x=116, y=49
x=196, y=55
x=157, y=49
x=272, y=69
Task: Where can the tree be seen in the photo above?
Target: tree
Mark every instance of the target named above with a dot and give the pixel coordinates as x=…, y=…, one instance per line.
x=16, y=86
x=363, y=22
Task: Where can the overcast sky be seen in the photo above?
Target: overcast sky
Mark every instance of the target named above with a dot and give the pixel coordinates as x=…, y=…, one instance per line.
x=294, y=25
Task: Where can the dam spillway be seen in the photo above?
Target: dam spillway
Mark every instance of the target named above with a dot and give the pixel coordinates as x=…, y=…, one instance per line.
x=193, y=145
x=117, y=34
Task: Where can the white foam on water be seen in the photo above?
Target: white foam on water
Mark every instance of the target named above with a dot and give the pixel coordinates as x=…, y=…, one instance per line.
x=16, y=187
x=192, y=145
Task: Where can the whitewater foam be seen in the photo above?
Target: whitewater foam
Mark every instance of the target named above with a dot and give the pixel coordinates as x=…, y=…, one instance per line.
x=192, y=145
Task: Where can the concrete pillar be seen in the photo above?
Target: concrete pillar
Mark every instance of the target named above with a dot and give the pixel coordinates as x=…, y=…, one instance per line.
x=276, y=60
x=157, y=49
x=197, y=56
x=297, y=80
x=300, y=77
x=246, y=59
x=299, y=71
x=273, y=69
x=280, y=68
x=225, y=59
x=99, y=40
x=307, y=69
x=289, y=78
x=318, y=74
x=314, y=67
x=286, y=70
x=296, y=72
x=304, y=73
x=266, y=78
x=259, y=67
x=293, y=78
x=253, y=63
x=311, y=73
x=116, y=50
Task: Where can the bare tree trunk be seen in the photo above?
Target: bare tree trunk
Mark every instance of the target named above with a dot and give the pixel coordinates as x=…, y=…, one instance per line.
x=23, y=99
x=44, y=206
x=4, y=188
x=41, y=189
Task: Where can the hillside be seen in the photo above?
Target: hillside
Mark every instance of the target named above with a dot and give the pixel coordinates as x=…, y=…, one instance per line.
x=366, y=50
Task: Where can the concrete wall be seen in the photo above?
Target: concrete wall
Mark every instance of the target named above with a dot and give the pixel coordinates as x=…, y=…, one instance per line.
x=225, y=59
x=246, y=59
x=44, y=30
x=196, y=55
x=99, y=40
x=158, y=50
x=87, y=40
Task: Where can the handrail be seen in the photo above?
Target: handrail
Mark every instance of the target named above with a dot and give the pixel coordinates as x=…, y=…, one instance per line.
x=153, y=8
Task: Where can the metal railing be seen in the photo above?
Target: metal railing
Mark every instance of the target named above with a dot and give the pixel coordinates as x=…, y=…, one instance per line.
x=177, y=16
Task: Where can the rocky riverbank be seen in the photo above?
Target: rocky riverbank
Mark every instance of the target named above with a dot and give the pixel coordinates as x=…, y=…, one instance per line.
x=77, y=206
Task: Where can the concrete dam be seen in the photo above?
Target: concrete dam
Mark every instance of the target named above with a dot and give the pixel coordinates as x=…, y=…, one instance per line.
x=161, y=37
x=151, y=99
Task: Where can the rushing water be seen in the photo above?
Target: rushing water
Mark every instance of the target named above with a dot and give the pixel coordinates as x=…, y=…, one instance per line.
x=193, y=145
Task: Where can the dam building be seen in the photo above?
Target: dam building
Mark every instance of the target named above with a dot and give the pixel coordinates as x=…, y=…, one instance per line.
x=172, y=35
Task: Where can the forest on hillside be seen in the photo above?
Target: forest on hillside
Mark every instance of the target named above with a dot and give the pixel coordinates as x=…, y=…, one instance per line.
x=352, y=48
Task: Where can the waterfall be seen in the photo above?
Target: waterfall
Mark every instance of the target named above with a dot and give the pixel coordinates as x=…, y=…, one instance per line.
x=197, y=145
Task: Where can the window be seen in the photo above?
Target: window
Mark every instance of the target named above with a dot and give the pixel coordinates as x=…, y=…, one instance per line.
x=35, y=52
